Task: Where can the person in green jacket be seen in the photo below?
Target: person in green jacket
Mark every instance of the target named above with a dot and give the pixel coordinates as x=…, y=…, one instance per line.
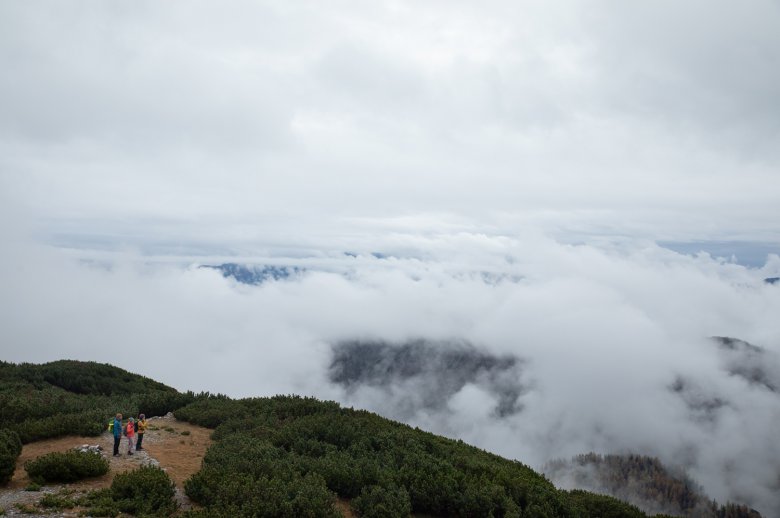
x=117, y=429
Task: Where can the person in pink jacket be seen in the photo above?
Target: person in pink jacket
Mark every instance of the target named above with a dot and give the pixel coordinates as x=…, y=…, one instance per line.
x=130, y=432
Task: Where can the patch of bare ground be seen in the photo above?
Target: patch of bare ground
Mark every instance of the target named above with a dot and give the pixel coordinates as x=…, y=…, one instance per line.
x=176, y=446
x=343, y=507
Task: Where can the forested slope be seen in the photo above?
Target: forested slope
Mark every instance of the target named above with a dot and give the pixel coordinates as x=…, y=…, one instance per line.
x=279, y=456
x=645, y=482
x=291, y=456
x=69, y=397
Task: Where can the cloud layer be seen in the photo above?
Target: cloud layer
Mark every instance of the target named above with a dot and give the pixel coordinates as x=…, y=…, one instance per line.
x=602, y=350
x=173, y=124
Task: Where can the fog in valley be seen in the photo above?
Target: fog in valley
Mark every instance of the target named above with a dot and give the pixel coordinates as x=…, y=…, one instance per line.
x=534, y=350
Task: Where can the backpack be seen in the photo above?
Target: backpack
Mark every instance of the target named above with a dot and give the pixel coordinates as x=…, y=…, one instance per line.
x=135, y=426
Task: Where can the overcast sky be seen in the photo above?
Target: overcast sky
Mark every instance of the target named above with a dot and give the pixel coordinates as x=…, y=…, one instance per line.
x=517, y=163
x=242, y=124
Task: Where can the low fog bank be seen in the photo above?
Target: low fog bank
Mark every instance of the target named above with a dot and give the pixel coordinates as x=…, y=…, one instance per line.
x=644, y=482
x=526, y=347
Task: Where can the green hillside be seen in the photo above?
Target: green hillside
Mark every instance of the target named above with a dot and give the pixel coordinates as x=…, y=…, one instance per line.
x=285, y=456
x=291, y=456
x=69, y=397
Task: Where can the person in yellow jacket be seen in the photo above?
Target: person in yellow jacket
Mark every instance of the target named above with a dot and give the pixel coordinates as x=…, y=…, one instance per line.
x=141, y=430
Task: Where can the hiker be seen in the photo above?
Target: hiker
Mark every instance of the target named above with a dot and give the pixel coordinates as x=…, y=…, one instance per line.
x=141, y=428
x=117, y=429
x=130, y=432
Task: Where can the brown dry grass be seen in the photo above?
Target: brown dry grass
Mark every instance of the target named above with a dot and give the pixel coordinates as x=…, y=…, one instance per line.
x=179, y=455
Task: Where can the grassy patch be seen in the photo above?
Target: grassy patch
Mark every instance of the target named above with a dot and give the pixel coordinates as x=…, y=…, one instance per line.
x=57, y=501
x=26, y=508
x=99, y=503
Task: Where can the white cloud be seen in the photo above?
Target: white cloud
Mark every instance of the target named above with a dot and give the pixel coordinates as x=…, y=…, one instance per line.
x=604, y=335
x=655, y=120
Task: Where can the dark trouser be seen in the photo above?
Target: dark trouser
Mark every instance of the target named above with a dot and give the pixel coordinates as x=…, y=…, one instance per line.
x=138, y=443
x=116, y=444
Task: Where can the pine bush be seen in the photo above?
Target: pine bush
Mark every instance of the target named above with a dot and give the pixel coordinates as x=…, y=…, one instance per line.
x=10, y=448
x=146, y=491
x=68, y=466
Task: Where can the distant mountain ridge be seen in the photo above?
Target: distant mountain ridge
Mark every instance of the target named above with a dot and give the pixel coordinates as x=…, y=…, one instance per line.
x=645, y=482
x=258, y=274
x=756, y=365
x=255, y=275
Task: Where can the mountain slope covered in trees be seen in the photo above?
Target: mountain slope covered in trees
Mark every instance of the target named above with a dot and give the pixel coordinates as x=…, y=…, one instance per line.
x=292, y=456
x=68, y=397
x=645, y=482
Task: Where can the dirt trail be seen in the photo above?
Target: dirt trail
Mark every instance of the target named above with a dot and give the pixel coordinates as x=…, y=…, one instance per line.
x=175, y=446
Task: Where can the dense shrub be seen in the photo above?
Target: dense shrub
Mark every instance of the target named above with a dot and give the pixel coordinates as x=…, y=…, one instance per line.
x=283, y=495
x=89, y=423
x=19, y=403
x=10, y=448
x=146, y=491
x=266, y=446
x=66, y=466
x=77, y=398
x=603, y=506
x=10, y=442
x=161, y=402
x=343, y=473
x=487, y=499
x=212, y=411
x=383, y=502
x=96, y=378
x=432, y=484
